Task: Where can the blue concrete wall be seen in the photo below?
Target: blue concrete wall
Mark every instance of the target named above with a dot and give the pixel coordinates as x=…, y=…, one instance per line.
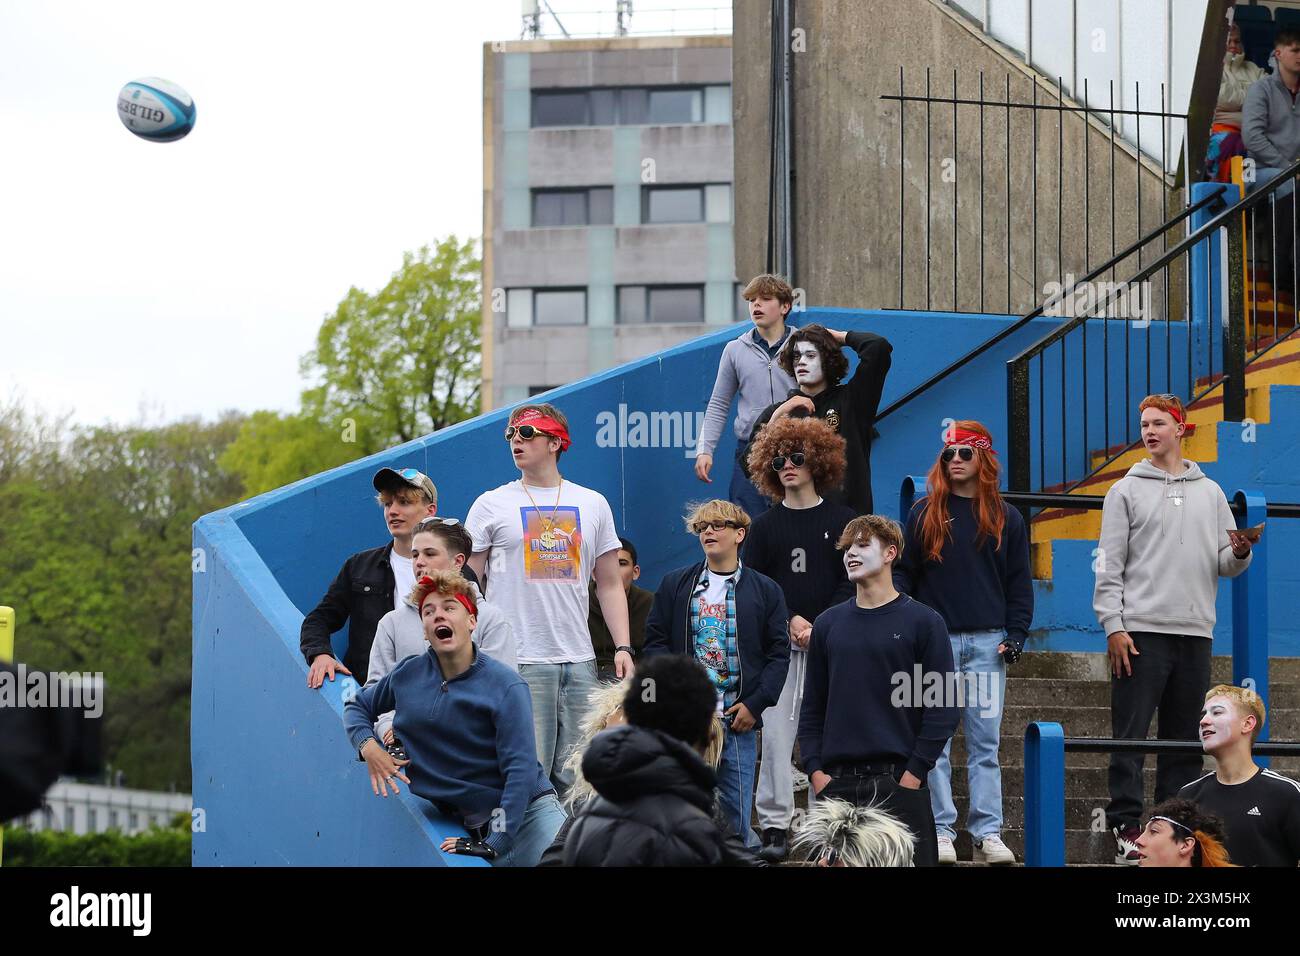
x=265, y=748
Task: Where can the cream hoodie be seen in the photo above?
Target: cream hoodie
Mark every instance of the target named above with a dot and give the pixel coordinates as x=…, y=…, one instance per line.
x=1238, y=74
x=1162, y=551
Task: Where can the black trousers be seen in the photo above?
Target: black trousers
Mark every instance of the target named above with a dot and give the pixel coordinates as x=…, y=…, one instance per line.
x=912, y=807
x=1171, y=674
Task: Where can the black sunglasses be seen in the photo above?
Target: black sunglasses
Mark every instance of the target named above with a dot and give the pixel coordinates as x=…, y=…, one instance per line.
x=526, y=432
x=701, y=526
x=797, y=459
x=966, y=452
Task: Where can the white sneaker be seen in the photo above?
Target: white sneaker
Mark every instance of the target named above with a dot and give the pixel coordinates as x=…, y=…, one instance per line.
x=947, y=855
x=800, y=781
x=993, y=851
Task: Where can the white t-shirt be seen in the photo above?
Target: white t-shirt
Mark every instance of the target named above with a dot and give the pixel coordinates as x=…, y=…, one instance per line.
x=403, y=577
x=542, y=559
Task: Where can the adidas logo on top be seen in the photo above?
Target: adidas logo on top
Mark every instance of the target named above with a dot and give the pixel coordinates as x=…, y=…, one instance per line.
x=1253, y=812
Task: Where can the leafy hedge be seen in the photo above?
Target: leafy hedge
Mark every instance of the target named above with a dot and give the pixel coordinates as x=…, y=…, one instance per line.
x=153, y=847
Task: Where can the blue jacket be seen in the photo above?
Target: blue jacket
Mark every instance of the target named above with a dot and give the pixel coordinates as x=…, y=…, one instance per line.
x=470, y=739
x=761, y=631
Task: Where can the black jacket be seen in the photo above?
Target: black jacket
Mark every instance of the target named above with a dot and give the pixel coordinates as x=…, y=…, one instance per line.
x=850, y=408
x=653, y=806
x=360, y=595
x=761, y=632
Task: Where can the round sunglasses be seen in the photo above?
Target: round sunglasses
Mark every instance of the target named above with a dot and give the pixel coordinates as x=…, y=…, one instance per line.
x=797, y=459
x=966, y=453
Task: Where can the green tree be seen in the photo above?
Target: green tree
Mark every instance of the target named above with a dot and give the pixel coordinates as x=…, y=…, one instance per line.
x=387, y=367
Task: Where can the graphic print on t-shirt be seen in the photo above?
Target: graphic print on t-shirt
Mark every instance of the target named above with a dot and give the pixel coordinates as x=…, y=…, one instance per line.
x=552, y=543
x=711, y=641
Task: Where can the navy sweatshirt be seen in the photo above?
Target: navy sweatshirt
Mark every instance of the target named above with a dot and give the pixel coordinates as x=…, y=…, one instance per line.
x=972, y=589
x=470, y=739
x=860, y=663
x=796, y=549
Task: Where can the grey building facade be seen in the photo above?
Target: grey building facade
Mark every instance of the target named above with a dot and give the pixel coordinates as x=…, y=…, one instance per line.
x=607, y=204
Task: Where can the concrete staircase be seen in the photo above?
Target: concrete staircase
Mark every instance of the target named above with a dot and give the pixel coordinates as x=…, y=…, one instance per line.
x=1074, y=690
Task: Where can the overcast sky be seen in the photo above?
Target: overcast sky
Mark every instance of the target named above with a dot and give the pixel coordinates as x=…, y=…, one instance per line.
x=185, y=278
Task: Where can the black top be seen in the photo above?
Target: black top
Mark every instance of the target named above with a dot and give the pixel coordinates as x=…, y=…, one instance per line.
x=1262, y=816
x=359, y=596
x=602, y=642
x=973, y=589
x=653, y=807
x=850, y=408
x=762, y=632
x=796, y=549
x=864, y=695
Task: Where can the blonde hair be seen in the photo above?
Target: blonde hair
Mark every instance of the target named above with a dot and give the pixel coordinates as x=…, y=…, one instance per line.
x=445, y=583
x=603, y=703
x=865, y=527
x=1246, y=701
x=862, y=836
x=716, y=510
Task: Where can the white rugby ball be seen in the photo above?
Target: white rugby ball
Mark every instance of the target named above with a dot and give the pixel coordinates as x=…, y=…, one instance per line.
x=155, y=110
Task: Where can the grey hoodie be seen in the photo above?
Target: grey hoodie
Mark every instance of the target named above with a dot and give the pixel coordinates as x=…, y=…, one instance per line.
x=400, y=635
x=1270, y=123
x=754, y=380
x=1162, y=551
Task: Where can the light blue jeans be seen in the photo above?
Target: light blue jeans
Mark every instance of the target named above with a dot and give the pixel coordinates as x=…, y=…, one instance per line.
x=561, y=694
x=736, y=782
x=1266, y=174
x=983, y=682
x=542, y=820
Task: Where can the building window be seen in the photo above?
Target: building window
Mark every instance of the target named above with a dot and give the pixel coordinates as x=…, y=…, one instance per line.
x=573, y=207
x=669, y=204
x=535, y=390
x=528, y=307
x=640, y=304
x=113, y=820
x=742, y=304
x=92, y=819
x=632, y=106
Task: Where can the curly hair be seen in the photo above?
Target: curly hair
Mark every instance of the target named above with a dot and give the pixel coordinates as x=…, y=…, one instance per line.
x=834, y=364
x=822, y=447
x=1200, y=825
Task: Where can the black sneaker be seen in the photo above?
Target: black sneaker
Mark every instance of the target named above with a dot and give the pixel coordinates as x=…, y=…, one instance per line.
x=774, y=848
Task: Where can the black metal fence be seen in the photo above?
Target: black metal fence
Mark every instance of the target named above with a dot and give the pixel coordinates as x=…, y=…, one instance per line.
x=1023, y=193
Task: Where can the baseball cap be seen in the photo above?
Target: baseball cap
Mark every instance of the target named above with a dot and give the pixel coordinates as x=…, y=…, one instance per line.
x=393, y=480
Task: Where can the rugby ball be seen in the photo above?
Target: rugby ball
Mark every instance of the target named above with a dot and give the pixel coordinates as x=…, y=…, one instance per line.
x=155, y=110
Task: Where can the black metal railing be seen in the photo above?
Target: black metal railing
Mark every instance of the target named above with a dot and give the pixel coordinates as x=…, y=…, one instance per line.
x=1079, y=429
x=986, y=152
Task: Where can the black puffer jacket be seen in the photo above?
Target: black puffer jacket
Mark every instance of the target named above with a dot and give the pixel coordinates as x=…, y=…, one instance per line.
x=653, y=806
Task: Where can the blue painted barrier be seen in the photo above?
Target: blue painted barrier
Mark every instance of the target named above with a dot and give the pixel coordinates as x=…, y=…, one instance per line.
x=1044, y=794
x=1250, y=643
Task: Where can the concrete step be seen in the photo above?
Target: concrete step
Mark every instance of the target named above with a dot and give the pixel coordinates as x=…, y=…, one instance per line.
x=1093, y=667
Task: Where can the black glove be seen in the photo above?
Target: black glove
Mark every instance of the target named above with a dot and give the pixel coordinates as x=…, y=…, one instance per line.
x=474, y=848
x=1010, y=652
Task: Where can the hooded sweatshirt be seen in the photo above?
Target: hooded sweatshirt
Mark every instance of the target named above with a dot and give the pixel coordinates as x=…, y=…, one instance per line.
x=1270, y=123
x=400, y=634
x=1238, y=74
x=750, y=375
x=1162, y=551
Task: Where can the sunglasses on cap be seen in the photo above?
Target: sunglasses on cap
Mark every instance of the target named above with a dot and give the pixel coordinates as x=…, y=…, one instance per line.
x=702, y=526
x=526, y=432
x=797, y=459
x=432, y=520
x=966, y=452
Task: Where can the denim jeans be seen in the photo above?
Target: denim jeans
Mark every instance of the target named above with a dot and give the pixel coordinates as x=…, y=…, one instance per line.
x=736, y=781
x=561, y=694
x=974, y=653
x=1264, y=175
x=542, y=820
x=741, y=491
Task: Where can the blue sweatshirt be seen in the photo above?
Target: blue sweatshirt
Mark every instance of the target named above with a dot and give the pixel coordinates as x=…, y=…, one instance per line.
x=470, y=739
x=855, y=661
x=973, y=589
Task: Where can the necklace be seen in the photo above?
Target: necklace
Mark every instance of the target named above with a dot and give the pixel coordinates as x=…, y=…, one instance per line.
x=547, y=537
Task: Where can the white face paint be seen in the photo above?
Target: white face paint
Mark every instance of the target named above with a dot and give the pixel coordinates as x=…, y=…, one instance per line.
x=808, y=364
x=1218, y=724
x=862, y=559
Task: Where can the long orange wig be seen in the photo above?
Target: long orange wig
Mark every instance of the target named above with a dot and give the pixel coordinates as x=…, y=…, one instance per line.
x=990, y=517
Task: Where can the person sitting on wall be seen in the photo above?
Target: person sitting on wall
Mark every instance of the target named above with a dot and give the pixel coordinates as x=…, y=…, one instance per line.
x=1225, y=131
x=1270, y=128
x=467, y=725
x=813, y=356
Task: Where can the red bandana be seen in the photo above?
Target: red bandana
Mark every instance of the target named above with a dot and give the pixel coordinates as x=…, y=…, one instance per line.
x=545, y=424
x=464, y=599
x=1180, y=419
x=960, y=436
